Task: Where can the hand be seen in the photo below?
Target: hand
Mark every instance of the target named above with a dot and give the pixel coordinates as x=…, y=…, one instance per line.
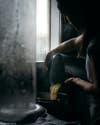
x=87, y=86
x=47, y=59
x=74, y=80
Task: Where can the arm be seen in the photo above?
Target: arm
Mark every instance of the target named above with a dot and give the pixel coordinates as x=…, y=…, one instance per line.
x=87, y=86
x=66, y=47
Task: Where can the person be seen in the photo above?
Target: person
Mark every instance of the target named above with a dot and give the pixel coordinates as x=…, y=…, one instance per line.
x=83, y=70
x=67, y=30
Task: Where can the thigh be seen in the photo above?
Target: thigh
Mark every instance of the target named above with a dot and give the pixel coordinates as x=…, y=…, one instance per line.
x=74, y=67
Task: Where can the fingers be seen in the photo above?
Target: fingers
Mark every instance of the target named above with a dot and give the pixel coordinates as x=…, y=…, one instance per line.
x=68, y=80
x=47, y=59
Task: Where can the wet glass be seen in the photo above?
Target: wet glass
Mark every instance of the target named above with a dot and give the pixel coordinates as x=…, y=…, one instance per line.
x=17, y=59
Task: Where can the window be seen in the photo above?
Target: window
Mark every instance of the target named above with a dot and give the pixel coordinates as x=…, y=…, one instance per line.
x=47, y=27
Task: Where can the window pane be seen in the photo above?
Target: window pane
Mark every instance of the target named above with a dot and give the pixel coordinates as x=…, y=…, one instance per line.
x=55, y=25
x=42, y=27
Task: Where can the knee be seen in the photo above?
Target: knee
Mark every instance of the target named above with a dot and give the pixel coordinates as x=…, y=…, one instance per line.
x=57, y=56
